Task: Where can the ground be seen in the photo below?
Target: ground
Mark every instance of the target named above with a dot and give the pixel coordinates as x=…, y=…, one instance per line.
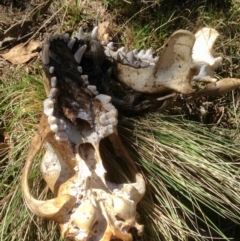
x=136, y=24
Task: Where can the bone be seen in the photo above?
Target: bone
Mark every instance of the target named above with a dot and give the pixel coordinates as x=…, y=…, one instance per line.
x=80, y=35
x=144, y=64
x=106, y=131
x=130, y=57
x=105, y=100
x=109, y=118
x=93, y=89
x=53, y=82
x=66, y=37
x=51, y=70
x=122, y=51
x=79, y=68
x=135, y=52
x=94, y=33
x=107, y=53
x=85, y=79
x=71, y=42
x=52, y=93
x=56, y=124
x=54, y=128
x=206, y=74
x=141, y=54
x=110, y=45
x=61, y=125
x=112, y=113
x=202, y=49
x=48, y=107
x=52, y=120
x=78, y=55
x=103, y=120
x=45, y=53
x=61, y=136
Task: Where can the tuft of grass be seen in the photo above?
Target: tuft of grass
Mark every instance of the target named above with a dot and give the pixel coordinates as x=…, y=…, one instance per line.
x=20, y=109
x=192, y=175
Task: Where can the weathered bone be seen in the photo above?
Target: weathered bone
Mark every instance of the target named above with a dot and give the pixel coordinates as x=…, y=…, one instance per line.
x=202, y=54
x=85, y=204
x=173, y=70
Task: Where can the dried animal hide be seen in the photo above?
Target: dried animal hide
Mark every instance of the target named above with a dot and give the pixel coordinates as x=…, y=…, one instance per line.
x=79, y=112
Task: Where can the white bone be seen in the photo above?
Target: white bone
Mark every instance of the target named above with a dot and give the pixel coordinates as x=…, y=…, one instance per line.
x=105, y=100
x=71, y=42
x=61, y=125
x=80, y=35
x=53, y=82
x=85, y=79
x=110, y=45
x=135, y=52
x=166, y=73
x=206, y=74
x=94, y=33
x=130, y=57
x=61, y=136
x=78, y=55
x=93, y=89
x=141, y=54
x=52, y=120
x=51, y=70
x=202, y=49
x=144, y=64
x=48, y=107
x=54, y=128
x=52, y=93
x=122, y=50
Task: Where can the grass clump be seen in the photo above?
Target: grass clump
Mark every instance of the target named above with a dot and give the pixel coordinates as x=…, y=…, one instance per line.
x=20, y=109
x=192, y=177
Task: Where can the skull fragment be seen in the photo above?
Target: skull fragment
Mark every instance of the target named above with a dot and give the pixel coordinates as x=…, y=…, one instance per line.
x=75, y=119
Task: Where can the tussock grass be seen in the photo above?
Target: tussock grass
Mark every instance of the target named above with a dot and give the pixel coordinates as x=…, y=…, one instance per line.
x=192, y=176
x=20, y=109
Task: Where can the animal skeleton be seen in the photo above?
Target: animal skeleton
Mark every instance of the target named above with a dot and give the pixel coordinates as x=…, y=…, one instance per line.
x=76, y=117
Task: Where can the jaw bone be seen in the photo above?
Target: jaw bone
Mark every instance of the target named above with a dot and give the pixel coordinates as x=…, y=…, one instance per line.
x=172, y=71
x=75, y=119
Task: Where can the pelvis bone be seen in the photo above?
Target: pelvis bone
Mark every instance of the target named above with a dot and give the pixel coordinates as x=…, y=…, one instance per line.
x=75, y=119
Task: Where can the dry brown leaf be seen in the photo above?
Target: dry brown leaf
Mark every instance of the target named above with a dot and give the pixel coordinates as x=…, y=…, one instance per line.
x=22, y=53
x=104, y=31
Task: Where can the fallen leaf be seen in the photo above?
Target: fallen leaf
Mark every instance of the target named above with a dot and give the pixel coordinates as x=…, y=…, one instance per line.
x=22, y=53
